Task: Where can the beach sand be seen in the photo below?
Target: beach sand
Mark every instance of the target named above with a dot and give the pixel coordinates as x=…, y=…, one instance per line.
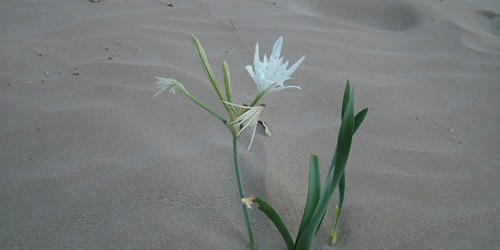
x=89, y=161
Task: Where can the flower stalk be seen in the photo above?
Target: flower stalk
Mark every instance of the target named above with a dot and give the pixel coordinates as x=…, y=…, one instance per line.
x=171, y=85
x=241, y=190
x=205, y=107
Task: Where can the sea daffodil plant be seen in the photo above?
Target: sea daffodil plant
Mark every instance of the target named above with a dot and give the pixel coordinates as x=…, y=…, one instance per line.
x=269, y=75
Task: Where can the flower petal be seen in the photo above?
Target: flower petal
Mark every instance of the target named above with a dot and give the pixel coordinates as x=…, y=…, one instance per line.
x=295, y=66
x=249, y=68
x=256, y=59
x=277, y=48
x=288, y=87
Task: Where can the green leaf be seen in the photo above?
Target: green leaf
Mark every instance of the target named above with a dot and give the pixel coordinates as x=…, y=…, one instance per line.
x=358, y=119
x=345, y=99
x=318, y=200
x=345, y=135
x=313, y=193
x=342, y=153
x=275, y=218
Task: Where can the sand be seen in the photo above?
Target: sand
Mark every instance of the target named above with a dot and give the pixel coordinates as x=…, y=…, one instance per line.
x=89, y=161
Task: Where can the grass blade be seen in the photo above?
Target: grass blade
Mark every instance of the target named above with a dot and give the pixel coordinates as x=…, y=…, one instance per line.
x=276, y=219
x=313, y=193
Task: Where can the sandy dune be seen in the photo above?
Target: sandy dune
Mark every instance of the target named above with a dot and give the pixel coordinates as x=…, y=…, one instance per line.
x=89, y=161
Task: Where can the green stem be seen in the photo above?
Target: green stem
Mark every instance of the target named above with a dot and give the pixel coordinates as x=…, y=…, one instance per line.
x=204, y=106
x=242, y=192
x=261, y=94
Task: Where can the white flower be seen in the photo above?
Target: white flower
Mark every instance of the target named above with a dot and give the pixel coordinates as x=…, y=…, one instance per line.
x=272, y=70
x=169, y=84
x=249, y=118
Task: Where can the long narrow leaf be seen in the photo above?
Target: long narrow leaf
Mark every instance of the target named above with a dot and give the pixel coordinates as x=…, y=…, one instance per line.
x=348, y=100
x=313, y=193
x=345, y=136
x=344, y=142
x=319, y=225
x=343, y=147
x=276, y=219
x=358, y=119
x=345, y=99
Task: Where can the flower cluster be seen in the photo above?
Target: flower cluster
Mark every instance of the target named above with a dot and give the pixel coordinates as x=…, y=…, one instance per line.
x=169, y=84
x=269, y=75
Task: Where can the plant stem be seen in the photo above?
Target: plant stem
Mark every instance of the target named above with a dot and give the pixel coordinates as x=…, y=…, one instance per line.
x=204, y=106
x=242, y=192
x=260, y=95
